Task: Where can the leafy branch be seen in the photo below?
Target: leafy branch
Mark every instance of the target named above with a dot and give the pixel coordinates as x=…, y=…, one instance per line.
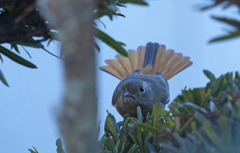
x=231, y=22
x=21, y=23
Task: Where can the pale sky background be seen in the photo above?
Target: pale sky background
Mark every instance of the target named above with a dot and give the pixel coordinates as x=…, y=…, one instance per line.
x=27, y=107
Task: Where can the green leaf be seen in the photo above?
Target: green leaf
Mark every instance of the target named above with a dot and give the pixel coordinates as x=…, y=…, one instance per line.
x=107, y=151
x=26, y=51
x=15, y=47
x=133, y=149
x=237, y=76
x=150, y=147
x=148, y=128
x=96, y=46
x=59, y=146
x=166, y=116
x=139, y=112
x=188, y=95
x=121, y=43
x=102, y=142
x=111, y=143
x=231, y=35
x=106, y=128
x=59, y=142
x=140, y=138
x=54, y=35
x=110, y=42
x=101, y=12
x=148, y=117
x=217, y=2
x=186, y=123
x=8, y=6
x=1, y=58
x=52, y=54
x=129, y=139
x=33, y=151
x=3, y=79
x=195, y=106
x=109, y=125
x=123, y=139
x=203, y=139
x=132, y=138
x=127, y=121
x=16, y=58
x=198, y=95
x=120, y=5
x=209, y=75
x=140, y=2
x=193, y=138
x=34, y=45
x=98, y=128
x=200, y=117
x=229, y=76
x=184, y=143
x=170, y=148
x=225, y=132
x=115, y=124
x=124, y=118
x=211, y=134
x=124, y=144
x=229, y=21
x=119, y=14
x=115, y=150
x=156, y=123
x=218, y=86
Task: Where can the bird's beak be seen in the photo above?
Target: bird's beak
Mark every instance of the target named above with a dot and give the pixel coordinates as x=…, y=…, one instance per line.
x=128, y=94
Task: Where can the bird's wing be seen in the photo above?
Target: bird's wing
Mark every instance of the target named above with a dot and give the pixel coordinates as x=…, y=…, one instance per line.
x=161, y=60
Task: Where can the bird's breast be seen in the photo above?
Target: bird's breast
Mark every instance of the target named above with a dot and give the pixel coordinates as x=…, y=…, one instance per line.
x=126, y=105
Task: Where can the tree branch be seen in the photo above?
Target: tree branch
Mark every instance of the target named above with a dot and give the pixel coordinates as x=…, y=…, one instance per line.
x=77, y=119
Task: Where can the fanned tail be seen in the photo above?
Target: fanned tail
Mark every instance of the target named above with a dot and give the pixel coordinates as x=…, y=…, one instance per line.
x=154, y=58
x=150, y=53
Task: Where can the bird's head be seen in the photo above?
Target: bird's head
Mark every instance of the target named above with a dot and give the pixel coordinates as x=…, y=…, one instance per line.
x=137, y=91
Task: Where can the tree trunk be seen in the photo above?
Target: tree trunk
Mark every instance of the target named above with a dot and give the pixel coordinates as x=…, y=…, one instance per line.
x=77, y=118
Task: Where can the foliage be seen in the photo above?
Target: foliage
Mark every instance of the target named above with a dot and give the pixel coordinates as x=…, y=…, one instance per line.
x=58, y=144
x=199, y=120
x=21, y=24
x=203, y=120
x=230, y=21
x=33, y=151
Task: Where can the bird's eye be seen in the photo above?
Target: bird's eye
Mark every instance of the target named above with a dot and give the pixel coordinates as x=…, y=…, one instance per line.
x=142, y=89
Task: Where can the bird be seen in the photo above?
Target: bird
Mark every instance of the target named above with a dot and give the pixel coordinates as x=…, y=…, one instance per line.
x=144, y=76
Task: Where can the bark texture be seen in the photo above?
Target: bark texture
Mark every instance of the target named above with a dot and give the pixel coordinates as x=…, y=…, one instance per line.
x=77, y=118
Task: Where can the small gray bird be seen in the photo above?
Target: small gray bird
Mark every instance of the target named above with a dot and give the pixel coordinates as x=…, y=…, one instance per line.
x=144, y=76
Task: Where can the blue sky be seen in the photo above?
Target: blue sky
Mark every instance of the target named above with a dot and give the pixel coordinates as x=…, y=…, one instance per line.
x=28, y=106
